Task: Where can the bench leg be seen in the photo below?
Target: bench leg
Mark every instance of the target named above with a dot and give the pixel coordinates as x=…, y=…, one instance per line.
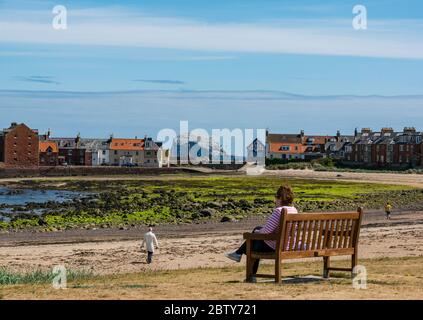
x=354, y=261
x=326, y=266
x=249, y=266
x=278, y=271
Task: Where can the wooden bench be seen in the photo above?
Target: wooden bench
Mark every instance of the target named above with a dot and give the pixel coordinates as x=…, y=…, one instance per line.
x=308, y=235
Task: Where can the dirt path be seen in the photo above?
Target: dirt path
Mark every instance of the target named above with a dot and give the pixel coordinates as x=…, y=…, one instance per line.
x=107, y=252
x=415, y=180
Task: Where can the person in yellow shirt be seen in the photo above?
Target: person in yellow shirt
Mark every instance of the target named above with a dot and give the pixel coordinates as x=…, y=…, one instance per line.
x=388, y=209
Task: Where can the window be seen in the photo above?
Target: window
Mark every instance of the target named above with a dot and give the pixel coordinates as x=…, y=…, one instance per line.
x=104, y=152
x=115, y=152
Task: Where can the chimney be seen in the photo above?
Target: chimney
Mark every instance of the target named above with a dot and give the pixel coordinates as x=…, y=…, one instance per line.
x=302, y=133
x=13, y=124
x=409, y=130
x=356, y=132
x=387, y=130
x=366, y=130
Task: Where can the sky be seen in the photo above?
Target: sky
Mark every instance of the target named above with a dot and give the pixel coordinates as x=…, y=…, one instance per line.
x=135, y=67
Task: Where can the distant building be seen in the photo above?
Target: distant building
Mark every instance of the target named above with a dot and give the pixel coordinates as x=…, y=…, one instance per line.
x=19, y=146
x=256, y=152
x=70, y=152
x=296, y=146
x=49, y=153
x=387, y=148
x=337, y=147
x=187, y=151
x=97, y=151
x=126, y=152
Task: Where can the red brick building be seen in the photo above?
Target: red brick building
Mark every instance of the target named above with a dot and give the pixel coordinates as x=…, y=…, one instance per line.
x=387, y=148
x=19, y=146
x=49, y=153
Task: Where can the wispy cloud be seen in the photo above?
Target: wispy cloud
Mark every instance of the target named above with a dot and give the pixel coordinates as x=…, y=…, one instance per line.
x=160, y=81
x=103, y=26
x=38, y=79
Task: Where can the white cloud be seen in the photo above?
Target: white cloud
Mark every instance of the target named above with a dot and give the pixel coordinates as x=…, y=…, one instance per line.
x=118, y=27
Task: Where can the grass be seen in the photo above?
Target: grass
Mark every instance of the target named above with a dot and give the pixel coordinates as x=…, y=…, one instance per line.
x=38, y=276
x=388, y=278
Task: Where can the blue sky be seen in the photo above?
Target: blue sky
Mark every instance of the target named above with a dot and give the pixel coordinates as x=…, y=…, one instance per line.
x=180, y=47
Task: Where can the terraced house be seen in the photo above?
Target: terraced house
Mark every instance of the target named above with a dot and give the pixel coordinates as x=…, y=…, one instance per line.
x=19, y=147
x=296, y=146
x=70, y=151
x=387, y=148
x=49, y=153
x=126, y=152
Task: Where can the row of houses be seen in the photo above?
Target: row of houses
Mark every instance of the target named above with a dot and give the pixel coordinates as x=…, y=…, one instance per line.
x=382, y=148
x=21, y=146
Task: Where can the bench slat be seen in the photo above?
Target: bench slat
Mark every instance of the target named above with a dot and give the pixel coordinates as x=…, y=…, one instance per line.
x=347, y=233
x=337, y=233
x=322, y=216
x=342, y=235
x=309, y=232
x=315, y=231
x=316, y=253
x=319, y=237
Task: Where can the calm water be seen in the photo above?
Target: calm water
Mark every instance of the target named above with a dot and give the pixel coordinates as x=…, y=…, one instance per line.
x=25, y=196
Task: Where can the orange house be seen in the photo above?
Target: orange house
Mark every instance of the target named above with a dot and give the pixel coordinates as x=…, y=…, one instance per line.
x=285, y=146
x=127, y=152
x=49, y=153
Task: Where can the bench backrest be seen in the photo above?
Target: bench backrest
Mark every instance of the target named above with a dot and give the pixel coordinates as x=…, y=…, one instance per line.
x=315, y=232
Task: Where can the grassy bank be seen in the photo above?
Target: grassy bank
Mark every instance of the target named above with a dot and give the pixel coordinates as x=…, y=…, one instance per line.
x=399, y=278
x=182, y=199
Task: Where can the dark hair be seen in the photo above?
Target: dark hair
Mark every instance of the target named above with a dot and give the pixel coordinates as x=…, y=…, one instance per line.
x=286, y=195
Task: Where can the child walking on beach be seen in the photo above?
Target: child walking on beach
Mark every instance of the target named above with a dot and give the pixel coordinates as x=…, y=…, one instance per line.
x=388, y=209
x=150, y=241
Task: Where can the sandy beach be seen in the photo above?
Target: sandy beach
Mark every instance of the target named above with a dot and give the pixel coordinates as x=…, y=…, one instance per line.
x=196, y=247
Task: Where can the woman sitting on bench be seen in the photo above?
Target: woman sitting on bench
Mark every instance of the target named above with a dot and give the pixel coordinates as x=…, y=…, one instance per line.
x=284, y=199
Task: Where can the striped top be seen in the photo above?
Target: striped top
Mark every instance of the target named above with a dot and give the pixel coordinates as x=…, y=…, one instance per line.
x=272, y=223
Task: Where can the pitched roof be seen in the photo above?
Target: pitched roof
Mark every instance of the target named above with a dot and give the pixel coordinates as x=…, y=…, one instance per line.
x=283, y=138
x=44, y=145
x=65, y=142
x=94, y=144
x=127, y=144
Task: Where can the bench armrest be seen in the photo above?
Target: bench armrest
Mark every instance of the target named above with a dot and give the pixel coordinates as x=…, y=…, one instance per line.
x=260, y=236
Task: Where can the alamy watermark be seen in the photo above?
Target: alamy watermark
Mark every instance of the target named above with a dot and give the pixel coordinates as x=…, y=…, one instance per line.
x=59, y=277
x=359, y=21
x=359, y=280
x=60, y=19
x=218, y=146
